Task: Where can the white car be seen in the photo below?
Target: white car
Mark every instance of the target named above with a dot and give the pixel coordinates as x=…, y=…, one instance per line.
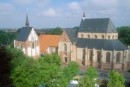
x=73, y=83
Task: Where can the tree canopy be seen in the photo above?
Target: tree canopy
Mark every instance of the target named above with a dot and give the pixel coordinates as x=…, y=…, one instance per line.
x=5, y=67
x=116, y=79
x=7, y=37
x=46, y=70
x=55, y=31
x=71, y=70
x=88, y=79
x=124, y=34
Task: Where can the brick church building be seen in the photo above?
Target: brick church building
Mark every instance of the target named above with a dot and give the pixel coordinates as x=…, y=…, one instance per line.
x=94, y=43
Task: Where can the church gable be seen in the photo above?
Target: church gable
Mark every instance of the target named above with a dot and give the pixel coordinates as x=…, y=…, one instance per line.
x=111, y=28
x=72, y=34
x=64, y=37
x=32, y=35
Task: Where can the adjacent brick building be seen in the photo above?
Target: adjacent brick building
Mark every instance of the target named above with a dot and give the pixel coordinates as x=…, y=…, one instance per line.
x=49, y=43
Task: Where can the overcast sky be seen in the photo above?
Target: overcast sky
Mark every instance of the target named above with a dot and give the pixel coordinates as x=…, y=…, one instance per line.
x=61, y=13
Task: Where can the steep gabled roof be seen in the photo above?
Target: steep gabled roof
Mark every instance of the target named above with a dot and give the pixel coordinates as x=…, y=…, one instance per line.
x=99, y=44
x=23, y=33
x=72, y=34
x=97, y=25
x=48, y=41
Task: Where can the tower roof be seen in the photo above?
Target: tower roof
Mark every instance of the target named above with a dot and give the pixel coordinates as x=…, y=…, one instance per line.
x=97, y=25
x=27, y=22
x=84, y=14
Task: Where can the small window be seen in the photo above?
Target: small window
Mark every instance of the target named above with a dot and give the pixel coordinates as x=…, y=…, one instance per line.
x=88, y=36
x=96, y=36
x=82, y=36
x=33, y=45
x=33, y=39
x=102, y=36
x=108, y=37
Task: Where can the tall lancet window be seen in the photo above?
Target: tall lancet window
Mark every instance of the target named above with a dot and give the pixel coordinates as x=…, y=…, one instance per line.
x=118, y=56
x=108, y=55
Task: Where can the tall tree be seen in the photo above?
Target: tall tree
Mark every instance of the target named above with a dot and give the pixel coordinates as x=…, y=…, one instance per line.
x=88, y=80
x=46, y=70
x=7, y=38
x=55, y=31
x=17, y=56
x=52, y=58
x=116, y=79
x=124, y=34
x=5, y=67
x=71, y=70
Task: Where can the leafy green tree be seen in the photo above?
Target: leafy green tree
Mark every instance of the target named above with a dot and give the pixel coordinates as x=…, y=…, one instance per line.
x=124, y=34
x=116, y=79
x=88, y=80
x=55, y=31
x=71, y=70
x=46, y=70
x=49, y=67
x=17, y=56
x=25, y=75
x=52, y=58
x=7, y=38
x=5, y=67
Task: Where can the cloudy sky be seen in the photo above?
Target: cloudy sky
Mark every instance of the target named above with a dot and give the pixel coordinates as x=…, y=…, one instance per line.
x=61, y=13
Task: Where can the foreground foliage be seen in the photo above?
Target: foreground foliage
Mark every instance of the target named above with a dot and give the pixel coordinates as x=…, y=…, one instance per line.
x=5, y=66
x=71, y=70
x=116, y=79
x=88, y=80
x=45, y=71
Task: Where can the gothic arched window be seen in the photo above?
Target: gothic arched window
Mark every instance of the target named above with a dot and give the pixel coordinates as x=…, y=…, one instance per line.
x=118, y=56
x=108, y=57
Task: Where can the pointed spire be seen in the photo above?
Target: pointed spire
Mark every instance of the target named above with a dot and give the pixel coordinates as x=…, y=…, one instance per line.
x=27, y=22
x=84, y=16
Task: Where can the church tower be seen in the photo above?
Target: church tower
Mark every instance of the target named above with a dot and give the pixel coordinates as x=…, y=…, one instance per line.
x=84, y=16
x=27, y=22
